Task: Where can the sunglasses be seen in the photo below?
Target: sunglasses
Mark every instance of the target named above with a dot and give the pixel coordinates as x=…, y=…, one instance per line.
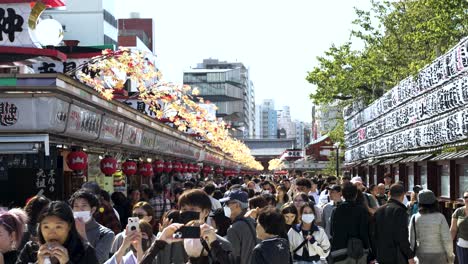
x=140, y=216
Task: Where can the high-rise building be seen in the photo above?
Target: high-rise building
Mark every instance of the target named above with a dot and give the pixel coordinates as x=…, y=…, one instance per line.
x=134, y=29
x=92, y=22
x=285, y=123
x=266, y=120
x=228, y=86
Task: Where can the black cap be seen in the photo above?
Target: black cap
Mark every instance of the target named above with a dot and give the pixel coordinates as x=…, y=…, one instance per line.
x=334, y=187
x=417, y=188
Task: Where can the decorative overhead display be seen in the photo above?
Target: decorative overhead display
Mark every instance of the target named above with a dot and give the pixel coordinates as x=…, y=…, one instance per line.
x=77, y=160
x=179, y=105
x=423, y=111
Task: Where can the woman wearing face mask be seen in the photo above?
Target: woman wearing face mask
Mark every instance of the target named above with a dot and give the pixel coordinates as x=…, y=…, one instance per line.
x=307, y=241
x=290, y=215
x=59, y=241
x=11, y=230
x=133, y=245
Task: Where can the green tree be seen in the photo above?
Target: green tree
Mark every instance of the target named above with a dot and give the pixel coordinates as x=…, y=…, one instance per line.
x=400, y=37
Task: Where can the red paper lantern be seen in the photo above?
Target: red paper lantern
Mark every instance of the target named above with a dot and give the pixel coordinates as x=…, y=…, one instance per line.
x=177, y=166
x=207, y=169
x=146, y=169
x=77, y=160
x=129, y=168
x=167, y=167
x=184, y=167
x=108, y=165
x=193, y=168
x=196, y=168
x=158, y=166
x=219, y=170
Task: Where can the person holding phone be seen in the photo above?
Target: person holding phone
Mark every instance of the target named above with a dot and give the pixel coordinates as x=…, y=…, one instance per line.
x=195, y=207
x=59, y=241
x=134, y=244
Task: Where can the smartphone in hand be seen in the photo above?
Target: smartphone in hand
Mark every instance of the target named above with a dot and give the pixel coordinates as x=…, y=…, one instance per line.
x=187, y=232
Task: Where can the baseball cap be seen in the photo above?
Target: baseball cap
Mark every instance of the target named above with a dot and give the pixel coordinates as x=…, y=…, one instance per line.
x=334, y=187
x=356, y=179
x=92, y=186
x=238, y=196
x=417, y=188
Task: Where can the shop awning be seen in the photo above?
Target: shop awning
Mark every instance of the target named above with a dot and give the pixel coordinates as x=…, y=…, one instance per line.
x=416, y=158
x=451, y=155
x=374, y=162
x=392, y=161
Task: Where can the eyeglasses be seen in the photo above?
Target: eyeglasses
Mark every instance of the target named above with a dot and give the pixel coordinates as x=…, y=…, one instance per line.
x=465, y=197
x=140, y=216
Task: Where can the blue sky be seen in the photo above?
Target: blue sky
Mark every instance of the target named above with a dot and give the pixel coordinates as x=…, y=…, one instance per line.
x=278, y=40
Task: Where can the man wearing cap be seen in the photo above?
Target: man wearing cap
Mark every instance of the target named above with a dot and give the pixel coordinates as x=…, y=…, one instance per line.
x=391, y=230
x=334, y=192
x=241, y=233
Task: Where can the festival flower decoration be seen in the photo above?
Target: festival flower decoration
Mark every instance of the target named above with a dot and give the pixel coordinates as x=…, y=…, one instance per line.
x=177, y=104
x=275, y=164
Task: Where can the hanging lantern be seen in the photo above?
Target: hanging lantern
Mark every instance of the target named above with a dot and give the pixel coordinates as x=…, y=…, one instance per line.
x=167, y=167
x=196, y=168
x=146, y=169
x=218, y=170
x=77, y=160
x=158, y=166
x=129, y=168
x=177, y=166
x=184, y=167
x=207, y=169
x=191, y=168
x=108, y=165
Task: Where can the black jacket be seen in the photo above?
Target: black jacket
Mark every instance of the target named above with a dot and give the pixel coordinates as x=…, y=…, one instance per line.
x=29, y=255
x=272, y=251
x=391, y=233
x=349, y=220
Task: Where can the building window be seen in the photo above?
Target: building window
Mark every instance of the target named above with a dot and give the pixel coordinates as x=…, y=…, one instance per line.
x=424, y=176
x=375, y=175
x=463, y=180
x=109, y=18
x=410, y=170
x=445, y=181
x=108, y=40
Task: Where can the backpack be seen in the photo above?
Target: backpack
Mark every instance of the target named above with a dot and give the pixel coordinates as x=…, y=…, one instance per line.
x=355, y=248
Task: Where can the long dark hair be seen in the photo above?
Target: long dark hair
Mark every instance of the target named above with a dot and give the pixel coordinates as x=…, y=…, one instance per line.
x=34, y=207
x=428, y=208
x=73, y=244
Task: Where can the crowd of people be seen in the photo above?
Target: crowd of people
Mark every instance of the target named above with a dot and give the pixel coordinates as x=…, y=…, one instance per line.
x=250, y=219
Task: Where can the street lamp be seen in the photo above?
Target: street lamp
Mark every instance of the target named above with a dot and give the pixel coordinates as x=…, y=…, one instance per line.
x=337, y=148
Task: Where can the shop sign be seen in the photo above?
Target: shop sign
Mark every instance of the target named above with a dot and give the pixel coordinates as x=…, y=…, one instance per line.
x=83, y=123
x=185, y=150
x=111, y=130
x=165, y=145
x=440, y=100
x=213, y=159
x=444, y=68
x=14, y=29
x=147, y=140
x=140, y=106
x=8, y=113
x=447, y=129
x=132, y=135
x=70, y=65
x=45, y=180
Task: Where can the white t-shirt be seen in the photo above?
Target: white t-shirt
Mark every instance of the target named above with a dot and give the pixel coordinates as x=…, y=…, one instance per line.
x=215, y=204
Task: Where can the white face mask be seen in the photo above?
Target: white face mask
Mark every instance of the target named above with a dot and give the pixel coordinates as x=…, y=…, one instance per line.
x=308, y=218
x=194, y=247
x=266, y=192
x=84, y=215
x=227, y=211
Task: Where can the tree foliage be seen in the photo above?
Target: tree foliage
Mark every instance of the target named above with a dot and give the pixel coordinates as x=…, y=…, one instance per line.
x=399, y=37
